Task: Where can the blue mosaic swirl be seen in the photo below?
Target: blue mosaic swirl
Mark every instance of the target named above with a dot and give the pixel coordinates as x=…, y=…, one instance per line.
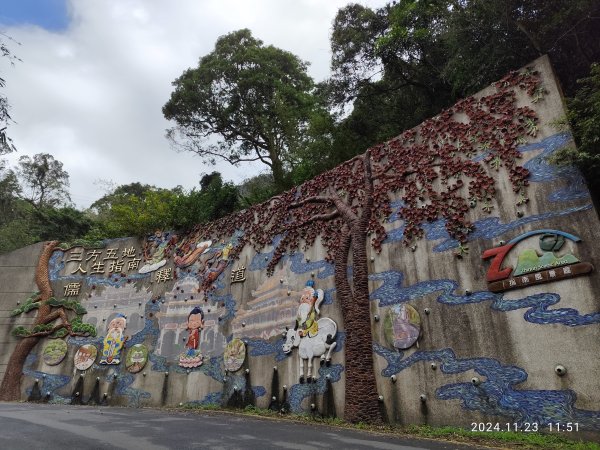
x=487, y=228
x=541, y=171
x=322, y=268
x=124, y=381
x=48, y=382
x=213, y=368
x=229, y=302
x=391, y=292
x=298, y=392
x=214, y=398
x=496, y=395
x=261, y=347
x=240, y=381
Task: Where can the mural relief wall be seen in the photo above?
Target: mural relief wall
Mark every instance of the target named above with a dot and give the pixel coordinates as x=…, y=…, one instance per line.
x=444, y=277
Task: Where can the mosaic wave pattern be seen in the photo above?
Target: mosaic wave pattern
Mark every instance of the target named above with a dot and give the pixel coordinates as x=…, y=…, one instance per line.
x=261, y=347
x=391, y=292
x=487, y=228
x=298, y=392
x=541, y=171
x=214, y=398
x=299, y=265
x=496, y=395
x=48, y=382
x=134, y=396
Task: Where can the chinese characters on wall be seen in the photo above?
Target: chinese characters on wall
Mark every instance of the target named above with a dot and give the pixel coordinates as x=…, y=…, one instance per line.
x=106, y=262
x=103, y=262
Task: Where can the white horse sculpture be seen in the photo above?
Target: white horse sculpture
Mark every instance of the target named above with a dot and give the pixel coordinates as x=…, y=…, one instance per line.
x=309, y=347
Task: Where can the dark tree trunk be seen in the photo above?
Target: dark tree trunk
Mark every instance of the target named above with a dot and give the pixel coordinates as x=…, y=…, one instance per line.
x=281, y=182
x=10, y=389
x=362, y=404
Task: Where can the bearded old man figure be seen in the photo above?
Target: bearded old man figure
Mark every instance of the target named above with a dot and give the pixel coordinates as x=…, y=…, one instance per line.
x=308, y=311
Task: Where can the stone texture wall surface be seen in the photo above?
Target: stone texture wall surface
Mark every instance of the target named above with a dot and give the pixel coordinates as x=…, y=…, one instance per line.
x=17, y=282
x=477, y=356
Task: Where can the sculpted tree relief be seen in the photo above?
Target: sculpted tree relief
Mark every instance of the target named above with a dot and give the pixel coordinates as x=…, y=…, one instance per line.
x=441, y=170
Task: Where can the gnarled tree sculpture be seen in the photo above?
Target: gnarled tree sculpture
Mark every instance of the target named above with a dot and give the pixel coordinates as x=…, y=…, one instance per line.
x=52, y=320
x=425, y=168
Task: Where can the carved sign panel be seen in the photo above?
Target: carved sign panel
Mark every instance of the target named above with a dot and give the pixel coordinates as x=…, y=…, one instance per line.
x=534, y=266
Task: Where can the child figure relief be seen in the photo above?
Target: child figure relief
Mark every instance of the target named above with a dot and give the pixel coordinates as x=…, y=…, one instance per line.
x=192, y=357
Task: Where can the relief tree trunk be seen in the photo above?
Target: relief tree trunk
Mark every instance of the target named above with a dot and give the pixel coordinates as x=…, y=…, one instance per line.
x=355, y=212
x=362, y=404
x=361, y=386
x=10, y=389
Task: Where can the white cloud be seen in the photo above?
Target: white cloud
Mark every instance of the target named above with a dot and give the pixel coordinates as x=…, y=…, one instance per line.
x=92, y=94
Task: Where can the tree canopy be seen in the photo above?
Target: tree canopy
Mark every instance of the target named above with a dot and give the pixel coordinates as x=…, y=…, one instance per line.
x=136, y=209
x=6, y=144
x=584, y=118
x=34, y=204
x=406, y=61
x=44, y=182
x=245, y=101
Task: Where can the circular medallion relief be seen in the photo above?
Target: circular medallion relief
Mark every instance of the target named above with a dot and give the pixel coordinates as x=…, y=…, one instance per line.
x=54, y=352
x=85, y=356
x=402, y=326
x=136, y=359
x=234, y=355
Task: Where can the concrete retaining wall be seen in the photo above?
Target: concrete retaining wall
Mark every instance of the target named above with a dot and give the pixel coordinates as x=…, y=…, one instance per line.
x=480, y=356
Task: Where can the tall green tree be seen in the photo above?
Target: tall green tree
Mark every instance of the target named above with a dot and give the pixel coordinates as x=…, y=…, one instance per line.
x=132, y=210
x=584, y=118
x=406, y=61
x=9, y=191
x=245, y=101
x=389, y=88
x=117, y=194
x=44, y=182
x=6, y=143
x=213, y=200
x=256, y=189
x=63, y=224
x=136, y=209
x=14, y=228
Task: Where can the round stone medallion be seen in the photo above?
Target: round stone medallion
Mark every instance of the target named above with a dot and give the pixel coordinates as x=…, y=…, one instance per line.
x=234, y=355
x=54, y=352
x=137, y=357
x=85, y=356
x=402, y=326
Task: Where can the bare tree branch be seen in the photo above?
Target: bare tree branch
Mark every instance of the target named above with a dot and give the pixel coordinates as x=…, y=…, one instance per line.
x=314, y=199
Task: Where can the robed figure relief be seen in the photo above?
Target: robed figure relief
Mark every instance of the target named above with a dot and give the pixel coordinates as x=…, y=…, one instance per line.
x=191, y=356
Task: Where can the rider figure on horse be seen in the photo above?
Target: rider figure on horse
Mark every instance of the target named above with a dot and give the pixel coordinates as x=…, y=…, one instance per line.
x=308, y=311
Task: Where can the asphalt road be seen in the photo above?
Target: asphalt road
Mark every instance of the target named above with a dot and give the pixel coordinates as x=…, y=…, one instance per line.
x=38, y=426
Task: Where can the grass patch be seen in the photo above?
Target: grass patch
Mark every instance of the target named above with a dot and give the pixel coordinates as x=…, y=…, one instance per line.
x=525, y=440
x=202, y=407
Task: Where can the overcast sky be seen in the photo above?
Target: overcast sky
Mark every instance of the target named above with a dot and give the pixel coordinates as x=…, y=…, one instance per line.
x=95, y=74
